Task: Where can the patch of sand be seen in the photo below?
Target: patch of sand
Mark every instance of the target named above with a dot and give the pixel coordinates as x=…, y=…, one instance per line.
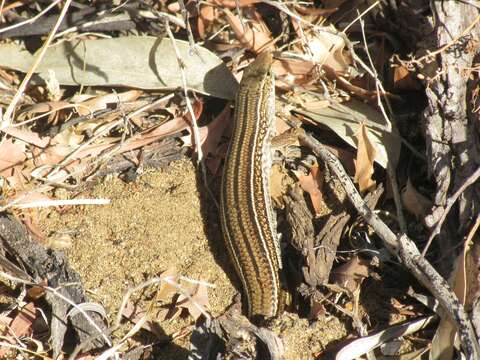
x=159, y=222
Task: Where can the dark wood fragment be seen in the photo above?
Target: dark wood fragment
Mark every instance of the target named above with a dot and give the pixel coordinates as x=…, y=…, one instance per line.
x=233, y=336
x=45, y=264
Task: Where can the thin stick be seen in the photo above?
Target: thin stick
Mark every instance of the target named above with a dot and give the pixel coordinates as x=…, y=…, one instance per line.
x=31, y=20
x=195, y=131
x=7, y=117
x=390, y=170
x=405, y=249
x=450, y=201
x=55, y=292
x=360, y=16
x=69, y=202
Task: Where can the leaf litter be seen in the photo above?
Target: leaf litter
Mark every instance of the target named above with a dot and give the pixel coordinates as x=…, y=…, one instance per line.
x=81, y=117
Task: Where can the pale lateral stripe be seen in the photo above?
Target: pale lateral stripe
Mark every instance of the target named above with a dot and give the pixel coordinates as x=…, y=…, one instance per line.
x=259, y=103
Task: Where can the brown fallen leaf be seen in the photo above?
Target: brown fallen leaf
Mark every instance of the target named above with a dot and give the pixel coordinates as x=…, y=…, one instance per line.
x=147, y=321
x=174, y=7
x=36, y=292
x=251, y=38
x=11, y=154
x=293, y=72
x=210, y=136
x=416, y=203
x=20, y=326
x=365, y=157
x=404, y=79
x=197, y=301
x=166, y=290
x=350, y=275
x=313, y=184
x=27, y=136
x=44, y=107
x=87, y=107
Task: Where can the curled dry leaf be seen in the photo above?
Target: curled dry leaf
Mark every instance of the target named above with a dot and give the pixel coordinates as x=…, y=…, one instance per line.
x=49, y=106
x=350, y=275
x=293, y=72
x=96, y=103
x=210, y=134
x=416, y=203
x=329, y=50
x=197, y=303
x=403, y=79
x=313, y=184
x=206, y=17
x=252, y=38
x=344, y=120
x=166, y=290
x=366, y=154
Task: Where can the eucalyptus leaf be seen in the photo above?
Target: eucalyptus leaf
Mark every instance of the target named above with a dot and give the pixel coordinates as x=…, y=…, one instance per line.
x=141, y=62
x=344, y=120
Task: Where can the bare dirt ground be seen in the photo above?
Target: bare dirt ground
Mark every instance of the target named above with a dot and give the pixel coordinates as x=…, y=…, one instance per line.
x=157, y=223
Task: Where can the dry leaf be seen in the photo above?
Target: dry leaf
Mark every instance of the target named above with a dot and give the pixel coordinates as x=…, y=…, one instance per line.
x=213, y=132
x=210, y=134
x=11, y=154
x=251, y=38
x=351, y=274
x=329, y=50
x=404, y=79
x=312, y=184
x=293, y=72
x=198, y=299
x=20, y=326
x=414, y=202
x=345, y=119
x=43, y=107
x=35, y=292
x=166, y=290
x=101, y=102
x=144, y=62
x=366, y=154
x=27, y=136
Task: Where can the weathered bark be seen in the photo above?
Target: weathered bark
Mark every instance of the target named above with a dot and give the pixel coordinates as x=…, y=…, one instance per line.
x=451, y=135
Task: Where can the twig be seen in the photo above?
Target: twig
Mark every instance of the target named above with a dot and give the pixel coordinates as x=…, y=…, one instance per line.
x=47, y=203
x=430, y=56
x=184, y=12
x=378, y=87
x=31, y=20
x=450, y=201
x=7, y=117
x=195, y=130
x=55, y=292
x=405, y=249
x=360, y=16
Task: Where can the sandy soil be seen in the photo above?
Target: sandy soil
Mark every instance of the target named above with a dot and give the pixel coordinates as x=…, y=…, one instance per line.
x=164, y=220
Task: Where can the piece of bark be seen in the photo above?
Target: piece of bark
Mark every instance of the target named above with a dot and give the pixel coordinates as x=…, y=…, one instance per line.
x=300, y=219
x=50, y=265
x=451, y=136
x=233, y=336
x=318, y=251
